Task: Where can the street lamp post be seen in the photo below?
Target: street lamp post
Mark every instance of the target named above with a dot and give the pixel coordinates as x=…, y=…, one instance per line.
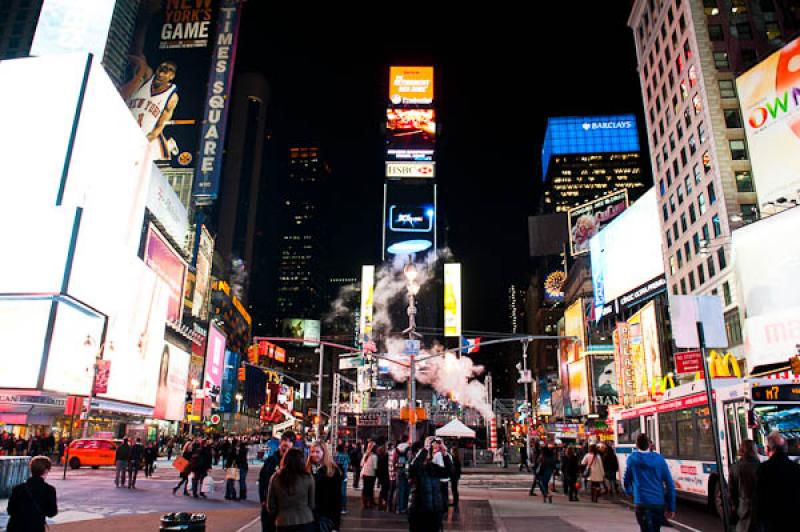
x=528, y=398
x=321, y=350
x=410, y=273
x=239, y=398
x=89, y=342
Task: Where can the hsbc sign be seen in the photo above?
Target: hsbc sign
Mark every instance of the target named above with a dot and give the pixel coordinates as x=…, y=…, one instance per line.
x=410, y=169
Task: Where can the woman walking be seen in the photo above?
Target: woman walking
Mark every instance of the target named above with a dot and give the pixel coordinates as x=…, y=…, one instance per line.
x=594, y=471
x=231, y=470
x=327, y=487
x=369, y=470
x=241, y=463
x=569, y=469
x=547, y=463
x=382, y=475
x=744, y=474
x=290, y=497
x=150, y=455
x=186, y=454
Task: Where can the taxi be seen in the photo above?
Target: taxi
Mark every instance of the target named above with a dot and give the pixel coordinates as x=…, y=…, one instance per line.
x=93, y=452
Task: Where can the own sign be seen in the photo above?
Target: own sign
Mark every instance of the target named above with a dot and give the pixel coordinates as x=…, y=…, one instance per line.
x=688, y=362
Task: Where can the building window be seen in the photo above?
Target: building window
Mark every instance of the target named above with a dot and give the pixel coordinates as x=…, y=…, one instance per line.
x=692, y=286
x=733, y=327
x=679, y=190
x=711, y=270
x=749, y=57
x=668, y=173
x=701, y=274
x=679, y=256
x=672, y=141
x=687, y=250
x=672, y=268
x=692, y=145
x=749, y=212
x=733, y=119
x=688, y=183
x=692, y=76
x=717, y=226
x=675, y=289
x=684, y=157
x=696, y=243
x=743, y=31
x=715, y=32
x=683, y=286
x=738, y=150
x=744, y=181
x=658, y=157
x=727, y=88
x=721, y=60
x=773, y=30
x=726, y=291
x=672, y=204
x=692, y=213
x=661, y=187
x=721, y=259
x=697, y=103
x=679, y=129
x=707, y=162
x=739, y=7
x=706, y=236
x=712, y=194
x=669, y=239
x=666, y=213
x=698, y=175
x=676, y=166
x=675, y=230
x=684, y=225
x=701, y=132
x=710, y=7
x=687, y=50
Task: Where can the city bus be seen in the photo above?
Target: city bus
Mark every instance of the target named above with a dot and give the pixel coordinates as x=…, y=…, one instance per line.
x=679, y=425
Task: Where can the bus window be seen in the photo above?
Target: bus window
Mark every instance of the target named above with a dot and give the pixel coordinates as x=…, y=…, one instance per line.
x=783, y=418
x=667, y=440
x=628, y=430
x=705, y=434
x=731, y=432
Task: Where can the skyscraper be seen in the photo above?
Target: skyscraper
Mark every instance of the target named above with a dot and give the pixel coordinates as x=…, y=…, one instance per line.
x=17, y=26
x=587, y=157
x=300, y=285
x=689, y=52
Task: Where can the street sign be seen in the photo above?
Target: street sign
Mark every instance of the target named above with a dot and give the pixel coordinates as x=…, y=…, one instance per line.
x=375, y=419
x=412, y=347
x=351, y=362
x=525, y=376
x=215, y=419
x=688, y=362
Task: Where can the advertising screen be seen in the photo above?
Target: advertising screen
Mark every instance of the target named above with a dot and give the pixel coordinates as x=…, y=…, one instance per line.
x=227, y=400
x=452, y=299
x=588, y=219
x=627, y=254
x=195, y=378
x=578, y=388
x=203, y=275
x=170, y=267
x=640, y=355
x=545, y=397
x=410, y=218
x=172, y=381
x=554, y=287
x=651, y=343
x=23, y=325
x=164, y=204
x=766, y=255
x=604, y=382
x=624, y=364
x=410, y=170
x=215, y=358
x=367, y=293
x=574, y=326
x=769, y=95
x=410, y=85
x=66, y=26
x=410, y=134
x=306, y=329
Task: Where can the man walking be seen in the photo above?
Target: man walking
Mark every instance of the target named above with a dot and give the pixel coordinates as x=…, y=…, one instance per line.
x=121, y=459
x=523, y=457
x=648, y=479
x=355, y=460
x=135, y=459
x=265, y=475
x=777, y=495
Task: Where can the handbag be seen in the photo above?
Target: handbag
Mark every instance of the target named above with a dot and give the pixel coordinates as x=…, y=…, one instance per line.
x=232, y=473
x=325, y=525
x=588, y=471
x=180, y=464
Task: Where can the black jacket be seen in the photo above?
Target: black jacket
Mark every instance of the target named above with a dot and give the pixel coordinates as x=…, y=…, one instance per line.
x=328, y=496
x=777, y=493
x=150, y=455
x=267, y=470
x=744, y=475
x=137, y=453
x=425, y=495
x=610, y=461
x=28, y=505
x=123, y=452
x=569, y=466
x=241, y=458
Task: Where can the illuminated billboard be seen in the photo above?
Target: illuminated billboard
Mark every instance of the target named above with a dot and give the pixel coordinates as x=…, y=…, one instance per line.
x=769, y=95
x=410, y=218
x=578, y=388
x=205, y=253
x=215, y=358
x=367, y=302
x=409, y=170
x=410, y=85
x=410, y=134
x=172, y=380
x=164, y=204
x=766, y=255
x=626, y=254
x=170, y=267
x=23, y=325
x=574, y=325
x=604, y=382
x=67, y=26
x=586, y=220
x=638, y=355
x=452, y=299
x=305, y=329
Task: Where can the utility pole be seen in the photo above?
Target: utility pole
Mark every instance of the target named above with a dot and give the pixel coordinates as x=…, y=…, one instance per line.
x=319, y=391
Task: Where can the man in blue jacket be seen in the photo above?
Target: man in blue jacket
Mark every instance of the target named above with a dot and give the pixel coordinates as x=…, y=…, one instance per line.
x=648, y=479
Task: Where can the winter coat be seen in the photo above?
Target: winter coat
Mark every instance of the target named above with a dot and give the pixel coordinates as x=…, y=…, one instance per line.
x=295, y=506
x=610, y=462
x=570, y=469
x=137, y=454
x=267, y=470
x=777, y=493
x=28, y=505
x=369, y=465
x=646, y=477
x=744, y=474
x=425, y=477
x=123, y=453
x=241, y=458
x=328, y=496
x=595, y=464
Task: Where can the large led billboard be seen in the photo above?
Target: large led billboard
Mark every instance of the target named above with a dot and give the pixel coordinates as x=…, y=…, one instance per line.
x=410, y=134
x=367, y=302
x=578, y=388
x=169, y=266
x=575, y=325
x=627, y=254
x=67, y=26
x=411, y=170
x=205, y=254
x=172, y=381
x=215, y=358
x=638, y=355
x=23, y=324
x=301, y=328
x=410, y=85
x=604, y=382
x=769, y=95
x=766, y=255
x=410, y=218
x=164, y=204
x=586, y=220
x=452, y=299
x=589, y=134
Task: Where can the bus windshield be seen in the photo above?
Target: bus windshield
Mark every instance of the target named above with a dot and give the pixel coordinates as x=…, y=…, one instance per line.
x=783, y=418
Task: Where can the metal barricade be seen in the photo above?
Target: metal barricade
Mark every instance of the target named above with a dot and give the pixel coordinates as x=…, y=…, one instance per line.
x=13, y=470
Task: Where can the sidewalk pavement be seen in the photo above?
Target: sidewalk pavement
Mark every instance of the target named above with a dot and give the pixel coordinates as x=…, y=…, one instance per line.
x=231, y=520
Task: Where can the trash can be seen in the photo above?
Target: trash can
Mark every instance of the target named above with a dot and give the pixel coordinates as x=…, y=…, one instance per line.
x=183, y=522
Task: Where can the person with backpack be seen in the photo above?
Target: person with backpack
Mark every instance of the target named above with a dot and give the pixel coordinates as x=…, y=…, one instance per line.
x=648, y=479
x=33, y=501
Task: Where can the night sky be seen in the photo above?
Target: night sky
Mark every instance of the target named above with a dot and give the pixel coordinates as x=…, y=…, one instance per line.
x=499, y=75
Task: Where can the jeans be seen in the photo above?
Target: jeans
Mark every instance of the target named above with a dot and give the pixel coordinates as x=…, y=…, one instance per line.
x=197, y=482
x=242, y=483
x=650, y=519
x=544, y=480
x=402, y=493
x=368, y=492
x=230, y=489
x=133, y=471
x=344, y=494
x=356, y=475
x=454, y=488
x=122, y=468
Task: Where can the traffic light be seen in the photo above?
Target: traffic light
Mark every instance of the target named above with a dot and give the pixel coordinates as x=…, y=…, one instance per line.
x=242, y=375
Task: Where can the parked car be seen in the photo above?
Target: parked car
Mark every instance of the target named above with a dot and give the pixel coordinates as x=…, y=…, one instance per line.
x=94, y=452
